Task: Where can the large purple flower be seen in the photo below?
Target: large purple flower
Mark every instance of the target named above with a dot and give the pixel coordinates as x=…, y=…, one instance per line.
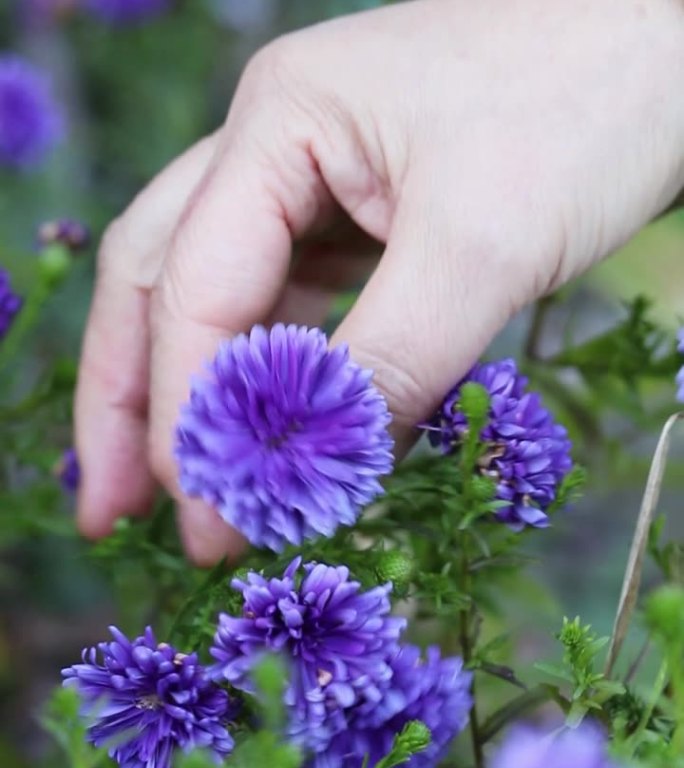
x=10, y=303
x=126, y=11
x=680, y=375
x=31, y=121
x=337, y=640
x=286, y=438
x=433, y=690
x=584, y=747
x=147, y=701
x=528, y=452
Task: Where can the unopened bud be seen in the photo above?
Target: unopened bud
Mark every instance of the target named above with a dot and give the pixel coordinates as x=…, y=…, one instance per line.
x=415, y=737
x=396, y=567
x=665, y=613
x=54, y=261
x=474, y=401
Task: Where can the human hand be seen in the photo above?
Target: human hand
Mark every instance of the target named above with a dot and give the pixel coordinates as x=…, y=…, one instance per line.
x=495, y=148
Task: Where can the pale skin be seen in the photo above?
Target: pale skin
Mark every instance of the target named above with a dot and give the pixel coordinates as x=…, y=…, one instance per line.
x=494, y=149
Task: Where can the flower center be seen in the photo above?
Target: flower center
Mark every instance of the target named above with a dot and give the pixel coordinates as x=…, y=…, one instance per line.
x=151, y=702
x=277, y=440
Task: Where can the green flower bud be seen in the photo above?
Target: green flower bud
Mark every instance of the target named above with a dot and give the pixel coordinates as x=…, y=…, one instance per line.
x=484, y=488
x=415, y=737
x=665, y=613
x=396, y=567
x=54, y=262
x=474, y=401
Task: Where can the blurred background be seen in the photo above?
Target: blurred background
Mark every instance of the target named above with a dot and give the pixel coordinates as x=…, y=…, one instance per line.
x=138, y=88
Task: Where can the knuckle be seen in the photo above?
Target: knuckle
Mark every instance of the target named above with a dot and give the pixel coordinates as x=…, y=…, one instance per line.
x=404, y=391
x=266, y=67
x=112, y=244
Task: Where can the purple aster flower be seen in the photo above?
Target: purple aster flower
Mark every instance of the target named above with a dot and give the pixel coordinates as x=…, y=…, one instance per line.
x=68, y=471
x=147, y=701
x=31, y=121
x=583, y=747
x=126, y=11
x=10, y=303
x=336, y=639
x=68, y=232
x=285, y=437
x=680, y=375
x=434, y=690
x=528, y=452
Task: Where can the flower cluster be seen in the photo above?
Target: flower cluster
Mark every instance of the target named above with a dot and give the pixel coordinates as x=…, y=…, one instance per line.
x=10, y=303
x=31, y=121
x=432, y=690
x=584, y=747
x=528, y=453
x=352, y=685
x=285, y=437
x=147, y=701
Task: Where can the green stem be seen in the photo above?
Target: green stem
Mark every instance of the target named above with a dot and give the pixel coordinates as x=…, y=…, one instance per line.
x=514, y=710
x=465, y=620
x=677, y=683
x=26, y=319
x=656, y=693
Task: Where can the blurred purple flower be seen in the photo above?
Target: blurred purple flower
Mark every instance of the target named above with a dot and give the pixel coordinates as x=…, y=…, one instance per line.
x=68, y=232
x=147, y=701
x=38, y=13
x=126, y=11
x=10, y=303
x=583, y=747
x=285, y=437
x=528, y=452
x=245, y=15
x=680, y=375
x=433, y=690
x=336, y=638
x=68, y=471
x=31, y=121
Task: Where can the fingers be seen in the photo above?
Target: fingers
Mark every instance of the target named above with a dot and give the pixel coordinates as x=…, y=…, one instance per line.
x=425, y=315
x=226, y=268
x=111, y=399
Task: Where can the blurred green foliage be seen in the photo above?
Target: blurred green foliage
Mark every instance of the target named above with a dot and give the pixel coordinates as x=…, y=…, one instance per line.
x=138, y=96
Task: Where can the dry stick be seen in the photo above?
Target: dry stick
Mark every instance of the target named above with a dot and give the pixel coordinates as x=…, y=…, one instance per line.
x=635, y=562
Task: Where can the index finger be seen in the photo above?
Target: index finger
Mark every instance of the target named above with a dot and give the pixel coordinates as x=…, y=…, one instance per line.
x=111, y=397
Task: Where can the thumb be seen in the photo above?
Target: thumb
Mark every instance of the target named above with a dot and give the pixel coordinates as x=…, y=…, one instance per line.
x=429, y=310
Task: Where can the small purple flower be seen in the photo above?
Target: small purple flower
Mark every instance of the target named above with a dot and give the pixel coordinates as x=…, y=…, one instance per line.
x=583, y=747
x=528, y=452
x=31, y=121
x=680, y=375
x=147, y=701
x=68, y=471
x=126, y=11
x=10, y=303
x=337, y=640
x=285, y=437
x=434, y=690
x=67, y=232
